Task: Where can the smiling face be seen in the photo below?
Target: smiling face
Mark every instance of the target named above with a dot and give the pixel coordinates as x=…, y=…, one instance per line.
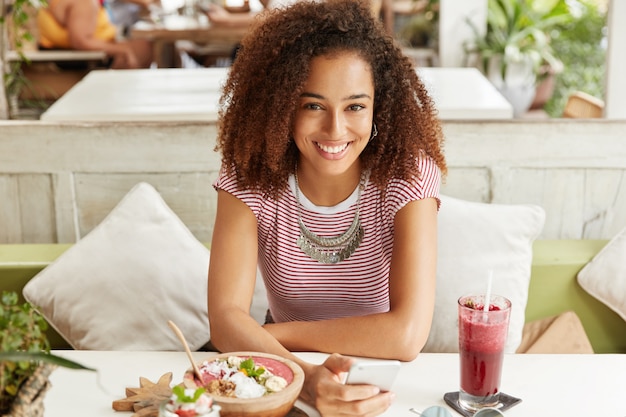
x=333, y=122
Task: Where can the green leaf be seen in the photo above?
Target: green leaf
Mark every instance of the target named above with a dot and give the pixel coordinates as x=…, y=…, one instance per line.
x=179, y=391
x=197, y=394
x=41, y=357
x=518, y=30
x=249, y=367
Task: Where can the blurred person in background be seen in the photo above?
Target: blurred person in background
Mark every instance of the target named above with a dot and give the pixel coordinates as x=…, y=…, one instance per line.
x=85, y=25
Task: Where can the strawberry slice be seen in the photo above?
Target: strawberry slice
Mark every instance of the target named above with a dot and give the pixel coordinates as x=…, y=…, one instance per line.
x=186, y=413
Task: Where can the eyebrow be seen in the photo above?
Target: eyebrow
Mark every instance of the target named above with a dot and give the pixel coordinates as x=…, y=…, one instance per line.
x=319, y=96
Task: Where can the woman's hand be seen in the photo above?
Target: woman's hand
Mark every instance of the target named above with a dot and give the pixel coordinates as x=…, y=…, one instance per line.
x=324, y=389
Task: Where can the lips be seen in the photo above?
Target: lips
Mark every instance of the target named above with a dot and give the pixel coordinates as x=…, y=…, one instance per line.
x=332, y=149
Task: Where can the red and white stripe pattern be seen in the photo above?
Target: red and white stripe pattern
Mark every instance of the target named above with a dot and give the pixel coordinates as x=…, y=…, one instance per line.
x=302, y=289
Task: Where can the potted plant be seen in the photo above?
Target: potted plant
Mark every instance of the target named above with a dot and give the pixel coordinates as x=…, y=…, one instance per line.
x=15, y=30
x=515, y=50
x=25, y=359
x=418, y=29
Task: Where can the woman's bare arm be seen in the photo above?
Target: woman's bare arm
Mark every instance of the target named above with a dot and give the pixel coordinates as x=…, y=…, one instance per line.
x=232, y=274
x=80, y=19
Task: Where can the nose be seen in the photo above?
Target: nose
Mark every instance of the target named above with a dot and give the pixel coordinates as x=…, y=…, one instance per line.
x=336, y=125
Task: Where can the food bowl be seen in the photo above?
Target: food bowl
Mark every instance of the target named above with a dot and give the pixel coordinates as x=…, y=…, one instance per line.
x=273, y=404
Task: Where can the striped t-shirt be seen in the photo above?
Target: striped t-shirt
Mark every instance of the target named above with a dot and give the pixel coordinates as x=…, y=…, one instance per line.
x=302, y=289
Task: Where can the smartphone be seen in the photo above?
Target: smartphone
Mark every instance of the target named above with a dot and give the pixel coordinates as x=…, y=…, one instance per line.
x=381, y=373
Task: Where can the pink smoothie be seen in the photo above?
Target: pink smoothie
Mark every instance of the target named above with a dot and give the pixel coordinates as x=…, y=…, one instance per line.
x=481, y=347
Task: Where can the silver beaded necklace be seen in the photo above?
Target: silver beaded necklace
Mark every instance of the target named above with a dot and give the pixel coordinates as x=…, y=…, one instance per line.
x=330, y=250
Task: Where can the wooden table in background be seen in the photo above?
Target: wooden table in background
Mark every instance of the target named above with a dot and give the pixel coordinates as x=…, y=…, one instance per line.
x=184, y=28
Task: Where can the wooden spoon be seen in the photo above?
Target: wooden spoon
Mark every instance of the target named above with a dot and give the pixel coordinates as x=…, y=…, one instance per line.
x=182, y=339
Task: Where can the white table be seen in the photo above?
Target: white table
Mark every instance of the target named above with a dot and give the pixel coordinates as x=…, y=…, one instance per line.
x=193, y=94
x=141, y=95
x=464, y=94
x=549, y=385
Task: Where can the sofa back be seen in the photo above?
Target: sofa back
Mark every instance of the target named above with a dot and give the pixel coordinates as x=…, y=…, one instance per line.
x=66, y=177
x=554, y=290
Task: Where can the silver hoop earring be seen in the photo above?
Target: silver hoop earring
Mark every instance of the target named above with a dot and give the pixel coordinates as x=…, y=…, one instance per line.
x=374, y=131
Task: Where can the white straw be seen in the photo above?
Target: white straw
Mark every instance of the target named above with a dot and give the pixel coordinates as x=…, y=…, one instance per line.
x=488, y=294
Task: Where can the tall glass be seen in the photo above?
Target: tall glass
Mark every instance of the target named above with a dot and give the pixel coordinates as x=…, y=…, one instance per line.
x=482, y=335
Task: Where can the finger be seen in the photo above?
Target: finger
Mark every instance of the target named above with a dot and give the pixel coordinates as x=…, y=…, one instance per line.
x=372, y=406
x=338, y=364
x=359, y=392
x=369, y=407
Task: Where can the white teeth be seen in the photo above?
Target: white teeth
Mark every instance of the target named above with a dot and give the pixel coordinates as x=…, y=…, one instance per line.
x=332, y=149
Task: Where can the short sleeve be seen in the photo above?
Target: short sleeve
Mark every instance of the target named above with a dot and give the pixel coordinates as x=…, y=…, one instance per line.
x=227, y=181
x=427, y=185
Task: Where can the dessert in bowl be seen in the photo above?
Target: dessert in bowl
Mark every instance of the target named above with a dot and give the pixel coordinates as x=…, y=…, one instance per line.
x=189, y=402
x=249, y=383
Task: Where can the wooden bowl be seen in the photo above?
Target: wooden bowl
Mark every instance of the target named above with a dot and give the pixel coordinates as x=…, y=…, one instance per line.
x=276, y=404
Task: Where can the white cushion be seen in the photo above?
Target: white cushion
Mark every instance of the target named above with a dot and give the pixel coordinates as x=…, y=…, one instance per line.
x=117, y=287
x=474, y=238
x=604, y=277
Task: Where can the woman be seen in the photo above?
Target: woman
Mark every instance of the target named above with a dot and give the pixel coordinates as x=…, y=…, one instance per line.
x=85, y=25
x=332, y=163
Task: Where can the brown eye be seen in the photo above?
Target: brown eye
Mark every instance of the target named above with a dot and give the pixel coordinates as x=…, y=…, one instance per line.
x=312, y=106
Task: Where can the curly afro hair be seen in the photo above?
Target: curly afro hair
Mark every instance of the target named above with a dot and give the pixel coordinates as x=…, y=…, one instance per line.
x=260, y=97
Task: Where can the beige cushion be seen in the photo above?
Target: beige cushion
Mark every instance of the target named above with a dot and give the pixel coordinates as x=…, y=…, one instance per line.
x=604, y=277
x=473, y=239
x=117, y=287
x=563, y=333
